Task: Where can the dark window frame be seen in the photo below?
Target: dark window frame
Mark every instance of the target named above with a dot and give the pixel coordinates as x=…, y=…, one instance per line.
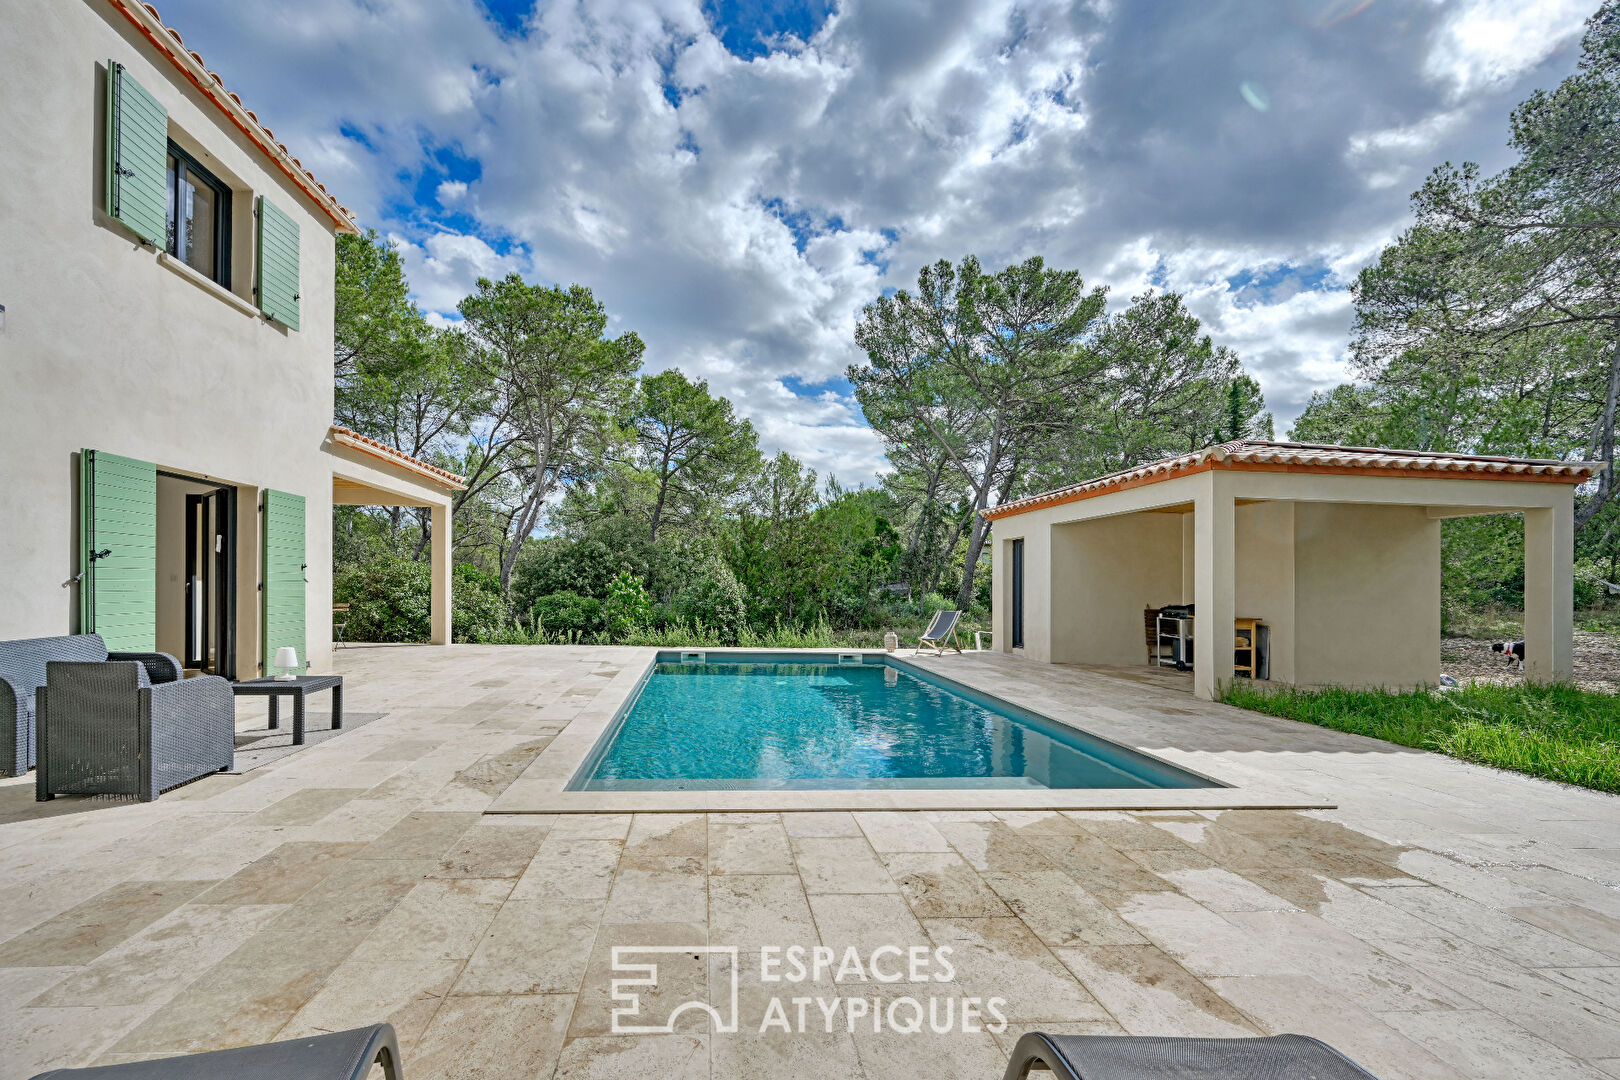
x=222, y=212
x=1016, y=556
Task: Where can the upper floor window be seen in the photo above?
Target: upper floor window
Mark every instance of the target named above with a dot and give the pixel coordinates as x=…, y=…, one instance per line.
x=199, y=230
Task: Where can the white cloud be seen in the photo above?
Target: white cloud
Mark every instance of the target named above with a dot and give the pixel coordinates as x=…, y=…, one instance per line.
x=1488, y=42
x=738, y=213
x=443, y=268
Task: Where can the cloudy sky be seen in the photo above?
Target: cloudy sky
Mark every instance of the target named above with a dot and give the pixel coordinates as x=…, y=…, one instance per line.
x=736, y=178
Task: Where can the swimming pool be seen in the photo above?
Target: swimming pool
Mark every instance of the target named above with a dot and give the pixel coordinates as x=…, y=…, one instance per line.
x=778, y=721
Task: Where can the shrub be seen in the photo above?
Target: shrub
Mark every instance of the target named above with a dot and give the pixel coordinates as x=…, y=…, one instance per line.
x=714, y=601
x=479, y=612
x=628, y=606
x=389, y=598
x=568, y=612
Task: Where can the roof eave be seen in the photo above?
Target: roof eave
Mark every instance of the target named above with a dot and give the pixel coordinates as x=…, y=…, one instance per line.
x=443, y=478
x=1567, y=472
x=212, y=87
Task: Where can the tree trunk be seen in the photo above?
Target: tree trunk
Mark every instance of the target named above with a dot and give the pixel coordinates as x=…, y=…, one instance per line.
x=981, y=527
x=529, y=517
x=1601, y=447
x=663, y=489
x=424, y=535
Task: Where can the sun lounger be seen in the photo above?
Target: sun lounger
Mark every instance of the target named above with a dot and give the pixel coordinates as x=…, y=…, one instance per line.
x=343, y=1055
x=1130, y=1057
x=940, y=633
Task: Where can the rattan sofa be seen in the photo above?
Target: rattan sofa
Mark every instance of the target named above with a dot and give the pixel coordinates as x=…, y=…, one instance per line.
x=22, y=672
x=105, y=729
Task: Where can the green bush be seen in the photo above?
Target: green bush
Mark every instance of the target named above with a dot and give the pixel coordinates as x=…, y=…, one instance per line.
x=714, y=601
x=479, y=613
x=389, y=598
x=568, y=612
x=628, y=606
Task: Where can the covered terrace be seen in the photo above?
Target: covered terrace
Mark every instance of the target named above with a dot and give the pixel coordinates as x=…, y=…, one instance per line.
x=366, y=472
x=1334, y=550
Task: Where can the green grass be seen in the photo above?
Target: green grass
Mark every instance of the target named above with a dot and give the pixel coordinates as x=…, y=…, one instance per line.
x=1557, y=732
x=1603, y=622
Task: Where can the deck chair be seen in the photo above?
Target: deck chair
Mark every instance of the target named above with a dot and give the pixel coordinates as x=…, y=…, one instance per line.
x=940, y=633
x=343, y=1055
x=1141, y=1057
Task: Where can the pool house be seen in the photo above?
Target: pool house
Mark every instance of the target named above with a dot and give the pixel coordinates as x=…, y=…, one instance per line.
x=1311, y=565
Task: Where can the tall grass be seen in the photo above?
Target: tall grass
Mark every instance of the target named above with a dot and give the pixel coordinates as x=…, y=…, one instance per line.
x=1559, y=732
x=680, y=635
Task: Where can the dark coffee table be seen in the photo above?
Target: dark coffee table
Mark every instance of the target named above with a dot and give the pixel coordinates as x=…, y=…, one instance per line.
x=298, y=689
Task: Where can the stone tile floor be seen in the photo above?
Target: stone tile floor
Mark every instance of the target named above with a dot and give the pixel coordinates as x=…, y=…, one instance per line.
x=1443, y=921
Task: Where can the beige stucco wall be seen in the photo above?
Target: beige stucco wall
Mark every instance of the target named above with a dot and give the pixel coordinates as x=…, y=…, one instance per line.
x=1104, y=573
x=1264, y=572
x=108, y=346
x=1367, y=591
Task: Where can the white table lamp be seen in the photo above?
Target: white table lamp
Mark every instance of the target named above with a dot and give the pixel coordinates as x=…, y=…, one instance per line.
x=287, y=661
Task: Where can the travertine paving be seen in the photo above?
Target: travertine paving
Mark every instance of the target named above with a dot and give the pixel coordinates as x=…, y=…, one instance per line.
x=1443, y=921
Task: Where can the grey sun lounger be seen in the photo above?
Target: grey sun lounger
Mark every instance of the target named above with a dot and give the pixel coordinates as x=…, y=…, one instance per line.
x=940, y=633
x=1131, y=1057
x=343, y=1055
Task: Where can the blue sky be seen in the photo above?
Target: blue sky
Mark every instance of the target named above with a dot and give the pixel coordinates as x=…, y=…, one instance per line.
x=735, y=178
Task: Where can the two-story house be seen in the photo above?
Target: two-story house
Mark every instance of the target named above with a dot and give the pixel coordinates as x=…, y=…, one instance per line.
x=168, y=463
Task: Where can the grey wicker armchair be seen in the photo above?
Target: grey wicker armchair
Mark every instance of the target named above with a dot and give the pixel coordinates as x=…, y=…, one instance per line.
x=22, y=672
x=104, y=729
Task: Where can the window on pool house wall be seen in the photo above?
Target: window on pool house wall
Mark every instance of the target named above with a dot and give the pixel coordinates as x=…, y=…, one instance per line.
x=1017, y=560
x=199, y=228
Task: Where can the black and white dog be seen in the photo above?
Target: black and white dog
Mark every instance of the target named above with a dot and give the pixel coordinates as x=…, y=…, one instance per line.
x=1512, y=651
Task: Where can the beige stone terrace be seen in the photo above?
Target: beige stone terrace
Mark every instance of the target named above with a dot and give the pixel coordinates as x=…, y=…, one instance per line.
x=1442, y=921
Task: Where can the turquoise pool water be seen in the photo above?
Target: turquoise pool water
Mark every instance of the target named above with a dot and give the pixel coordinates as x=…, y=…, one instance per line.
x=781, y=721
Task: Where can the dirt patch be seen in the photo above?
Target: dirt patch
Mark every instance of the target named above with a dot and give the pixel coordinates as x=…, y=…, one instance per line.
x=1597, y=661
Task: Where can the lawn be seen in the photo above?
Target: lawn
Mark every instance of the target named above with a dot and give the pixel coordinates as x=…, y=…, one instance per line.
x=1556, y=732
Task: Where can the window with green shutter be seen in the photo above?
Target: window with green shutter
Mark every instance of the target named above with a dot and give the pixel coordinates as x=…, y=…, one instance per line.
x=278, y=264
x=285, y=590
x=118, y=550
x=137, y=156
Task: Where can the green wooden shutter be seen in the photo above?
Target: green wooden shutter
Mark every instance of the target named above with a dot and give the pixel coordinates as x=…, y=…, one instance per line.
x=278, y=265
x=285, y=590
x=118, y=515
x=137, y=157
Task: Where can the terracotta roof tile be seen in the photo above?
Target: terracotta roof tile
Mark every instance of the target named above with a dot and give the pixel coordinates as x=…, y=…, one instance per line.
x=380, y=449
x=1307, y=457
x=149, y=22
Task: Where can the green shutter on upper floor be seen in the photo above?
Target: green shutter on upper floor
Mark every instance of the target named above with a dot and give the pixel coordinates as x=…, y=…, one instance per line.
x=137, y=157
x=118, y=550
x=278, y=264
x=285, y=589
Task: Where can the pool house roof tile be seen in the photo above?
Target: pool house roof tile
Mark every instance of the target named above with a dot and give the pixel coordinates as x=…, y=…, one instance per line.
x=1254, y=455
